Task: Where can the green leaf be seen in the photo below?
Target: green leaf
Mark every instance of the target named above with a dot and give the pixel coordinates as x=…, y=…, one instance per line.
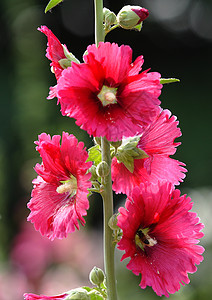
x=95, y=155
x=93, y=293
x=96, y=297
x=52, y=4
x=169, y=80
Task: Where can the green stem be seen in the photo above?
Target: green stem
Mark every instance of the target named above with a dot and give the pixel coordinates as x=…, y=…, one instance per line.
x=107, y=193
x=107, y=196
x=99, y=30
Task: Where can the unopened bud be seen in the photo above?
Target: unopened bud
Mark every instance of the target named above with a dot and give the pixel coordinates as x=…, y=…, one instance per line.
x=78, y=294
x=96, y=276
x=113, y=222
x=109, y=18
x=102, y=169
x=92, y=170
x=130, y=17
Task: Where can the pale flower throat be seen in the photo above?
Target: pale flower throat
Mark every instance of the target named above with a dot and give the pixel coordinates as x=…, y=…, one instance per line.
x=107, y=95
x=68, y=186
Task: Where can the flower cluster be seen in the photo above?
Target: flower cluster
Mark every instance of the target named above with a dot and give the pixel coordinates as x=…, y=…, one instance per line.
x=110, y=96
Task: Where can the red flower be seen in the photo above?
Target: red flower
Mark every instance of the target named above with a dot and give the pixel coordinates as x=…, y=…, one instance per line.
x=55, y=53
x=106, y=95
x=160, y=236
x=59, y=197
x=158, y=143
x=43, y=297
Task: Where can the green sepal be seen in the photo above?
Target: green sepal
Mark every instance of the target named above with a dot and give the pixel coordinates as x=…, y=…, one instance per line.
x=70, y=56
x=52, y=4
x=93, y=293
x=138, y=27
x=128, y=151
x=64, y=63
x=168, y=80
x=94, y=155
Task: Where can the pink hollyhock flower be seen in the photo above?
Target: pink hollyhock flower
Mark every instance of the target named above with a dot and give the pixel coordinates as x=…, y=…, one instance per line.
x=157, y=141
x=43, y=297
x=160, y=236
x=106, y=95
x=59, y=197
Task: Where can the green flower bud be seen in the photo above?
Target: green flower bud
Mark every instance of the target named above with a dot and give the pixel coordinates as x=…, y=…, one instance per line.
x=78, y=294
x=92, y=170
x=113, y=222
x=109, y=18
x=102, y=169
x=96, y=276
x=129, y=17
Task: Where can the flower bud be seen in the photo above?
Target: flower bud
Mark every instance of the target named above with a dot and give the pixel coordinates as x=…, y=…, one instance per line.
x=113, y=222
x=109, y=18
x=92, y=170
x=129, y=17
x=96, y=276
x=102, y=169
x=78, y=294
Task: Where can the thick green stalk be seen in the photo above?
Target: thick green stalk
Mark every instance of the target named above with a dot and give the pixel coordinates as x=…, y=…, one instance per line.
x=107, y=196
x=107, y=193
x=99, y=30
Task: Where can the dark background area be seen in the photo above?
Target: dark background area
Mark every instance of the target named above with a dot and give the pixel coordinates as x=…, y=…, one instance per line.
x=176, y=40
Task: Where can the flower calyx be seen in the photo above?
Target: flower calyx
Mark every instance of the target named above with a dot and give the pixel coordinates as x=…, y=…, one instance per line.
x=66, y=62
x=132, y=17
x=142, y=239
x=78, y=294
x=129, y=151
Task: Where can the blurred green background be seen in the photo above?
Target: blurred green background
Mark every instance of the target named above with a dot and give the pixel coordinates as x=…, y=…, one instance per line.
x=176, y=40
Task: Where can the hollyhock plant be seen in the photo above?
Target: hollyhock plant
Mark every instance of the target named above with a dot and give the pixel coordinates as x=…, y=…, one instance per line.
x=107, y=95
x=157, y=142
x=59, y=198
x=160, y=236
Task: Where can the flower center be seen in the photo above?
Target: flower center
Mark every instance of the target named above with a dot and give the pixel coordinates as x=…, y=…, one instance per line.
x=142, y=239
x=107, y=95
x=68, y=186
